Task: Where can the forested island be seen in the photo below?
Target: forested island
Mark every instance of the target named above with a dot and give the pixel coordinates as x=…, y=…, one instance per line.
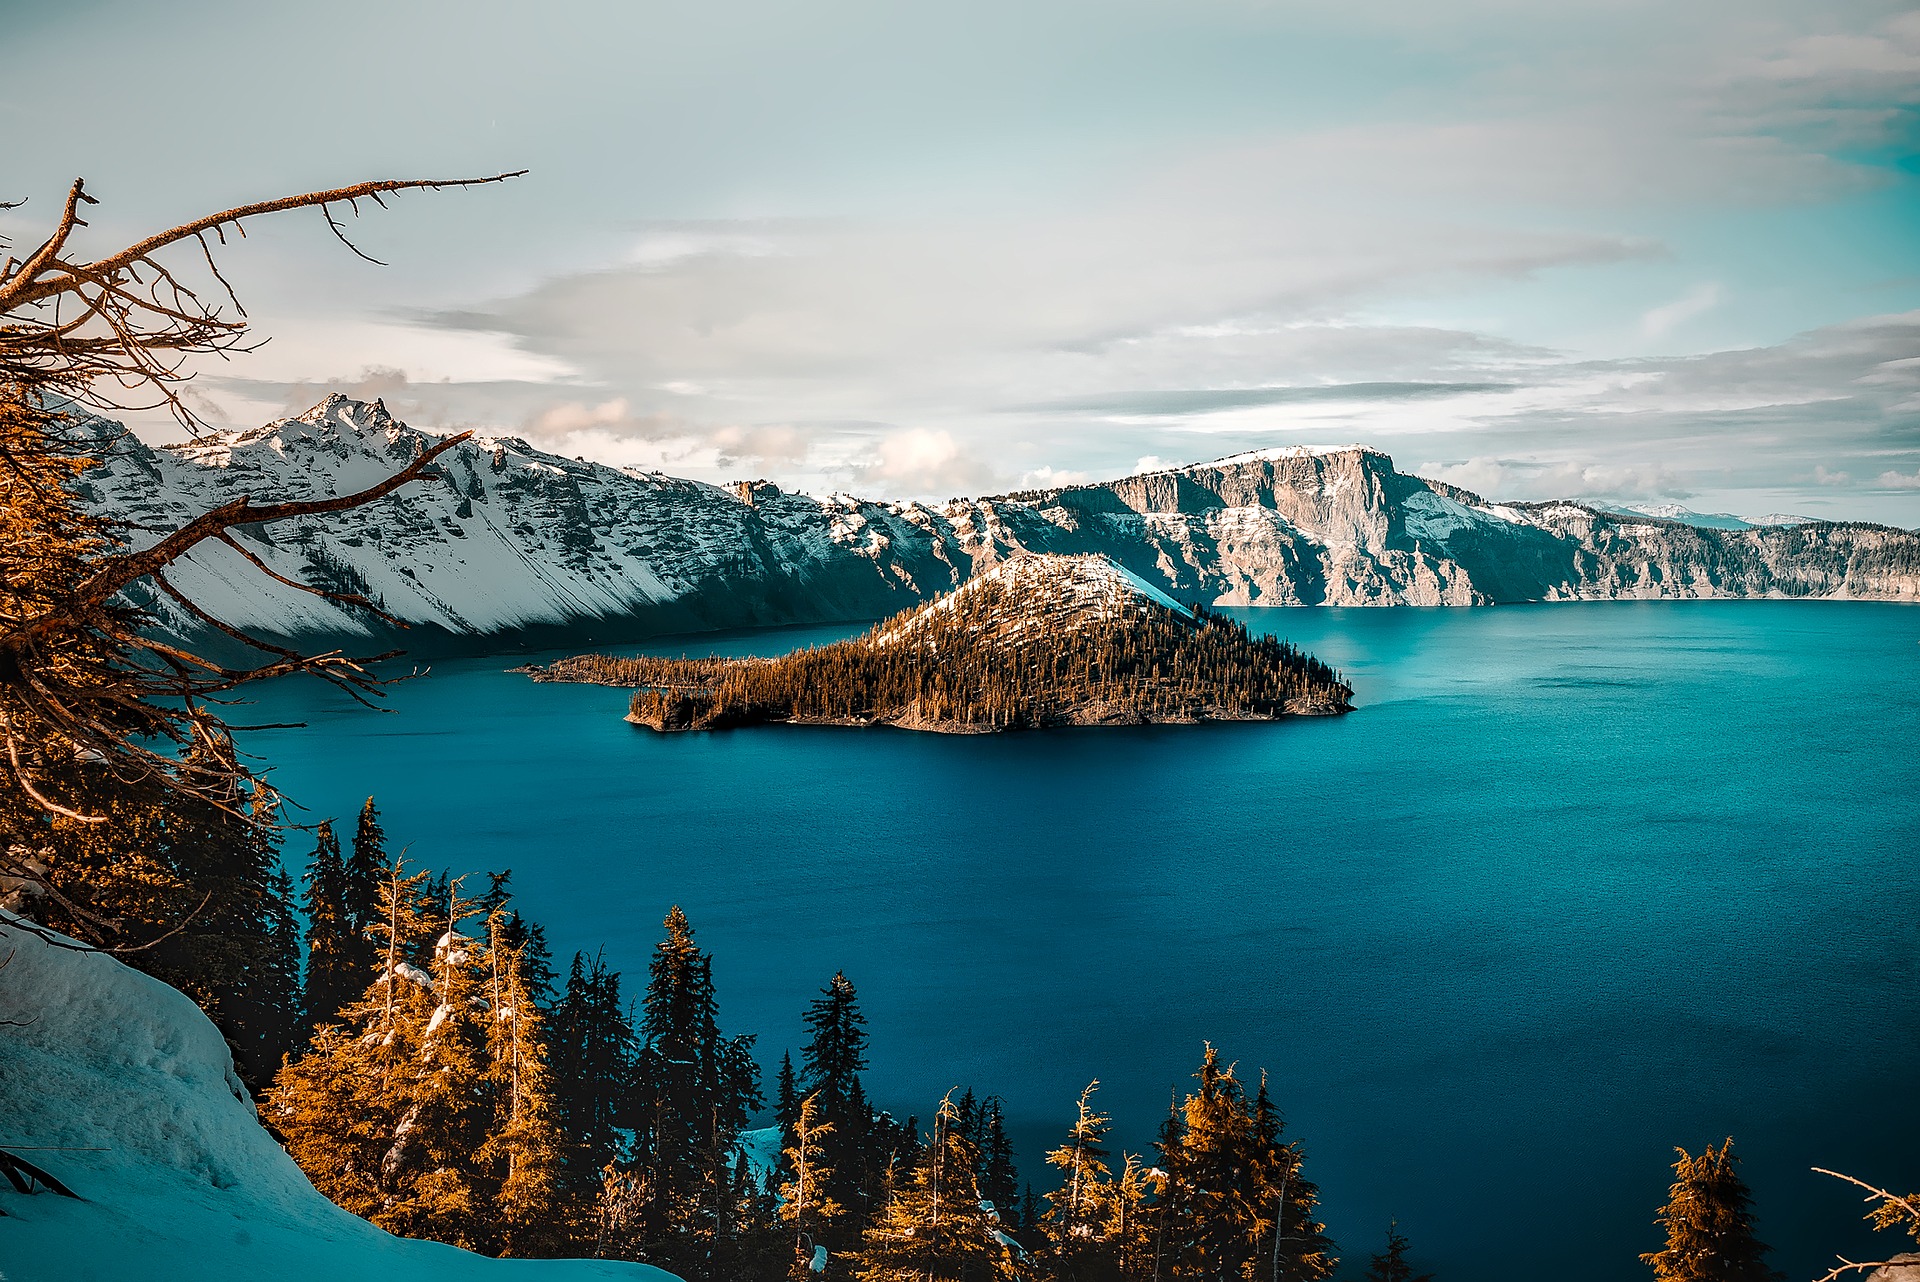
x=1036, y=642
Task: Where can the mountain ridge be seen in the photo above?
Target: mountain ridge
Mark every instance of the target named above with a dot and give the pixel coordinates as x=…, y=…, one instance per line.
x=499, y=538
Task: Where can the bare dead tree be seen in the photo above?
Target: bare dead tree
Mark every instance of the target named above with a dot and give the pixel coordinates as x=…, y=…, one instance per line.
x=1887, y=1211
x=86, y=682
x=91, y=330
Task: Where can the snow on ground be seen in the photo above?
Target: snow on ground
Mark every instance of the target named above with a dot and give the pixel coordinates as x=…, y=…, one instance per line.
x=1437, y=517
x=1089, y=586
x=1277, y=453
x=1674, y=512
x=120, y=1087
x=762, y=1148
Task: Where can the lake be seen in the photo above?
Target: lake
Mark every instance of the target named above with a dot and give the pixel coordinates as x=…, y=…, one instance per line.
x=1575, y=884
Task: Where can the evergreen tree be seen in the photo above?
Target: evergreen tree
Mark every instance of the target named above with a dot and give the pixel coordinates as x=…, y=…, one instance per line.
x=266, y=1006
x=1391, y=1265
x=1074, y=1209
x=332, y=978
x=1709, y=1222
x=697, y=1088
x=1299, y=1246
x=593, y=1057
x=999, y=1181
x=524, y=1148
x=863, y=1145
x=932, y=1227
x=437, y=1192
x=786, y=1099
x=338, y=1107
x=807, y=1209
x=365, y=866
x=1095, y=1226
x=427, y=1107
x=527, y=938
x=1233, y=1198
x=1029, y=1218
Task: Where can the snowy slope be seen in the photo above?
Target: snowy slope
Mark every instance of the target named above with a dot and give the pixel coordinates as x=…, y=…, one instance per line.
x=1675, y=512
x=498, y=536
x=1063, y=592
x=179, y=1180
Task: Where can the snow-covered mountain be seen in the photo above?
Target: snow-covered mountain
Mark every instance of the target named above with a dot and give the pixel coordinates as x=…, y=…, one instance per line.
x=122, y=1089
x=1699, y=520
x=500, y=537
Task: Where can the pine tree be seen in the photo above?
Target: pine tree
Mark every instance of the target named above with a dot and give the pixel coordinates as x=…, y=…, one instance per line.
x=266, y=1006
x=339, y=1106
x=1232, y=1197
x=862, y=1145
x=1028, y=1220
x=524, y=1147
x=593, y=1067
x=1075, y=1209
x=1391, y=1265
x=1299, y=1247
x=446, y=1116
x=932, y=1227
x=999, y=1180
x=807, y=1209
x=786, y=1098
x=697, y=1087
x=1095, y=1226
x=332, y=978
x=1709, y=1223
x=527, y=938
x=365, y=866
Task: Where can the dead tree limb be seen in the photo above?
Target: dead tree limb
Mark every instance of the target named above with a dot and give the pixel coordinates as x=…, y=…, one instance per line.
x=87, y=682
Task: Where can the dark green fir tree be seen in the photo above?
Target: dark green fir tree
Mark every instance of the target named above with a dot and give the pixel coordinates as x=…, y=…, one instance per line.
x=1391, y=1264
x=334, y=976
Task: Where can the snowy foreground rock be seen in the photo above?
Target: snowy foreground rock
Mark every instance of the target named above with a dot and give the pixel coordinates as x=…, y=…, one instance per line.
x=121, y=1088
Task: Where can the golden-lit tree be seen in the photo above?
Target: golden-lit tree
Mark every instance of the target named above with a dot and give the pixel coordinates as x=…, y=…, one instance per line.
x=1709, y=1222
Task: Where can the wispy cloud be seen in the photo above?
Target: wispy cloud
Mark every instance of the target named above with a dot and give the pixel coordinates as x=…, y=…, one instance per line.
x=1658, y=322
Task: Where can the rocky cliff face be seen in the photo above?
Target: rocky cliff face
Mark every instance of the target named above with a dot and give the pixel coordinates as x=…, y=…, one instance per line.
x=501, y=537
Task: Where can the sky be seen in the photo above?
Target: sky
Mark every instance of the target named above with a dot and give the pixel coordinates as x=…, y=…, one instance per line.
x=1642, y=252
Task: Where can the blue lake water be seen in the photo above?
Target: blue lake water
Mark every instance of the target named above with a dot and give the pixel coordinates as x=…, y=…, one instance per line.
x=1577, y=883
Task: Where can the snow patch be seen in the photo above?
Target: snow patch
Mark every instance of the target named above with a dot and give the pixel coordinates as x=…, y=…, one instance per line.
x=128, y=1094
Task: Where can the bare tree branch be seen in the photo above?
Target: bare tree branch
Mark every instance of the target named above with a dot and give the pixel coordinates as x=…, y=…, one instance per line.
x=86, y=681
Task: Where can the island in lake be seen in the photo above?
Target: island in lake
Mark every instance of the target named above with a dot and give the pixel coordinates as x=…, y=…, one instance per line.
x=1033, y=642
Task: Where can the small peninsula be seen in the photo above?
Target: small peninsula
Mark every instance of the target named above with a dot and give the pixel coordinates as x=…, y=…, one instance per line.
x=1036, y=641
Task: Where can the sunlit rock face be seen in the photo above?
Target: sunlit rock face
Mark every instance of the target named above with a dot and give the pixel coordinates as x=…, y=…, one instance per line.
x=499, y=536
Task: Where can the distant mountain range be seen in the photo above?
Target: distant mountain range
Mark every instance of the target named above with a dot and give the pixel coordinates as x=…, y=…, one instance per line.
x=501, y=538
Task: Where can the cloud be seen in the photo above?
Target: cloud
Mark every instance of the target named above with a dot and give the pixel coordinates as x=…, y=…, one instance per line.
x=1190, y=401
x=1524, y=479
x=769, y=446
x=1892, y=480
x=919, y=463
x=1696, y=301
x=927, y=274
